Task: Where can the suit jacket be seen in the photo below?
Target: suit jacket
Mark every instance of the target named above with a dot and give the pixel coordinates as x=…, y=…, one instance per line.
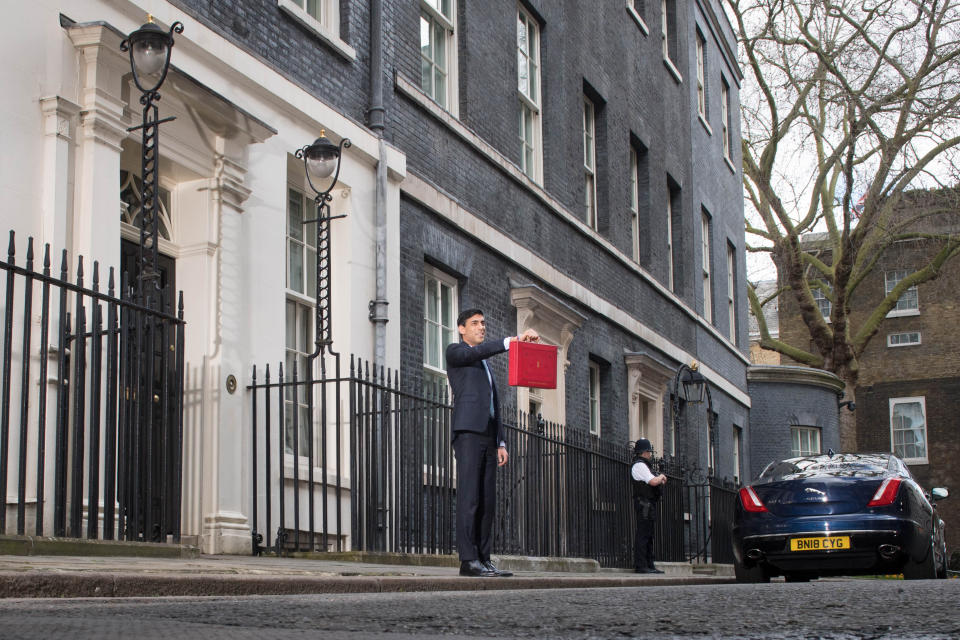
x=471, y=388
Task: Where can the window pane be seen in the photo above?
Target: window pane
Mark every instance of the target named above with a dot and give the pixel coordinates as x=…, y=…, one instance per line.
x=311, y=275
x=305, y=341
x=446, y=306
x=440, y=84
x=432, y=344
x=291, y=328
x=296, y=266
x=431, y=302
x=295, y=216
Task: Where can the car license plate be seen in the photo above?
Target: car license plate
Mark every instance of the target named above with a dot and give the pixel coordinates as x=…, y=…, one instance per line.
x=829, y=543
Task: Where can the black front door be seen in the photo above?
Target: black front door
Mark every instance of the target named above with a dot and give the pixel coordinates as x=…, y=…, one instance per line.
x=149, y=482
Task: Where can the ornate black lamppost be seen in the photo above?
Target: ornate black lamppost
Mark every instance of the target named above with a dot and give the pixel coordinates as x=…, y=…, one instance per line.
x=322, y=160
x=694, y=390
x=152, y=423
x=149, y=48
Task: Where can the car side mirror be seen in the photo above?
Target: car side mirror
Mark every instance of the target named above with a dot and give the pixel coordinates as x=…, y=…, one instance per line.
x=939, y=493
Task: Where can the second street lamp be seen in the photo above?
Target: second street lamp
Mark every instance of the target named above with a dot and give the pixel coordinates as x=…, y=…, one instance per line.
x=321, y=160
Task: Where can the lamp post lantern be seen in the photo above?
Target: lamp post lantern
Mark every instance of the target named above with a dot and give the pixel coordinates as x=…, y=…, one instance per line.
x=695, y=390
x=321, y=160
x=149, y=48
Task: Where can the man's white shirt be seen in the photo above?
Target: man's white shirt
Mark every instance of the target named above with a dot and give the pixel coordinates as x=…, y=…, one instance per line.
x=641, y=472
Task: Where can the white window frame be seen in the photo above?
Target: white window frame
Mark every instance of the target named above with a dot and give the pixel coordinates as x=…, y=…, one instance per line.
x=894, y=340
x=637, y=15
x=801, y=435
x=302, y=302
x=665, y=36
x=323, y=21
x=731, y=293
x=670, y=279
x=725, y=119
x=921, y=400
x=447, y=23
x=590, y=161
x=594, y=399
x=702, y=78
x=635, y=203
x=737, y=453
x=529, y=97
x=705, y=266
x=891, y=279
x=824, y=304
x=434, y=277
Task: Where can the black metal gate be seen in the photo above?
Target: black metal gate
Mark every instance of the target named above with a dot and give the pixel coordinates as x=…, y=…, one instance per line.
x=92, y=382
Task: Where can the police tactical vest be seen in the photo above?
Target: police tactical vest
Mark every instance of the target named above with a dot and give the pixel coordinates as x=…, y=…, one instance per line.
x=642, y=489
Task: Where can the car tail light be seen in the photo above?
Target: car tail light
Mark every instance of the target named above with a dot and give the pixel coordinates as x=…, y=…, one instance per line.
x=886, y=493
x=750, y=501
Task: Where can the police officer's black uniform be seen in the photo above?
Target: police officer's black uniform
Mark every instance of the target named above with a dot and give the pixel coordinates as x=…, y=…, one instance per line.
x=645, y=499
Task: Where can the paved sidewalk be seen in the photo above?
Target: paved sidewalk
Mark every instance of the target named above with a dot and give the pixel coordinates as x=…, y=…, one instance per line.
x=96, y=575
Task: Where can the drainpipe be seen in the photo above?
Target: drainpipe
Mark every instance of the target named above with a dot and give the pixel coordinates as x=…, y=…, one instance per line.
x=378, y=306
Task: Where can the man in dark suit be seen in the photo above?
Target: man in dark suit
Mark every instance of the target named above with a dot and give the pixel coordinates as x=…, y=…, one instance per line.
x=478, y=439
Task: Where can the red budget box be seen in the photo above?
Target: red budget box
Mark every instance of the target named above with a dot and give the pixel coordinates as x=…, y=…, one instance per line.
x=532, y=365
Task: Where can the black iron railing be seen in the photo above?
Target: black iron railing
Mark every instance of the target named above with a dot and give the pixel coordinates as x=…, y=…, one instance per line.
x=95, y=442
x=564, y=492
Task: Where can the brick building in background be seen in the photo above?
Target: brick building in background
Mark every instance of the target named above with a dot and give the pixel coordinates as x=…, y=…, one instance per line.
x=907, y=393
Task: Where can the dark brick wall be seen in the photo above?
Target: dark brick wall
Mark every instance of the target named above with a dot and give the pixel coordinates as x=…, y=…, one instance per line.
x=779, y=405
x=943, y=435
x=262, y=29
x=592, y=47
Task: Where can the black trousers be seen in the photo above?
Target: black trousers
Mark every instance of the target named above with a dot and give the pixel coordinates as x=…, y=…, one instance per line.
x=476, y=493
x=645, y=511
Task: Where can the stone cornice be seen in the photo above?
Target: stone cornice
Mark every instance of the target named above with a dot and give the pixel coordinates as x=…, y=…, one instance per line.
x=789, y=374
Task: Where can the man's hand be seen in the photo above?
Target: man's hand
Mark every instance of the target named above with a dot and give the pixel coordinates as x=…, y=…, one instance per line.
x=529, y=336
x=502, y=456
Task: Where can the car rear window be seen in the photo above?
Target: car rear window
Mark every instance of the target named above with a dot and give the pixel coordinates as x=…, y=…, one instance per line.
x=841, y=465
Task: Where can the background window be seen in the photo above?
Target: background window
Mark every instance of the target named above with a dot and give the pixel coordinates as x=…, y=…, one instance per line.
x=701, y=76
x=436, y=49
x=725, y=117
x=737, y=453
x=439, y=327
x=594, y=399
x=908, y=428
x=590, y=162
x=909, y=301
x=805, y=441
x=904, y=339
x=823, y=302
x=634, y=205
x=705, y=267
x=731, y=293
x=528, y=85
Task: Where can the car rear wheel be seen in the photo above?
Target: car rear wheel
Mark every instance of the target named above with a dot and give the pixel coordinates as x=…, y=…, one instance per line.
x=923, y=570
x=750, y=574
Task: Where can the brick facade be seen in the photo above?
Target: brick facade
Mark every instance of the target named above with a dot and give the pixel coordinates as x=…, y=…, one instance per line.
x=468, y=159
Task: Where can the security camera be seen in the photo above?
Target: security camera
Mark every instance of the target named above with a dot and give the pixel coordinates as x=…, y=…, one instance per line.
x=849, y=404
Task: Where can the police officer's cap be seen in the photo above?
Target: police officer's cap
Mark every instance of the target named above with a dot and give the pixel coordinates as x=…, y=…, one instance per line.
x=642, y=445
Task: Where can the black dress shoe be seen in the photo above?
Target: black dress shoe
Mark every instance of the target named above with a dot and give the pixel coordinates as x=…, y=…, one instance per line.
x=655, y=570
x=476, y=569
x=644, y=570
x=500, y=572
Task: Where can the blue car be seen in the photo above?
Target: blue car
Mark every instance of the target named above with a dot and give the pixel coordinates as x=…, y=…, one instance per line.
x=838, y=514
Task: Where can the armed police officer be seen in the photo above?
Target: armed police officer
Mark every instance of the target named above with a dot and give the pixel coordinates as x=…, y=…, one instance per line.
x=646, y=493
